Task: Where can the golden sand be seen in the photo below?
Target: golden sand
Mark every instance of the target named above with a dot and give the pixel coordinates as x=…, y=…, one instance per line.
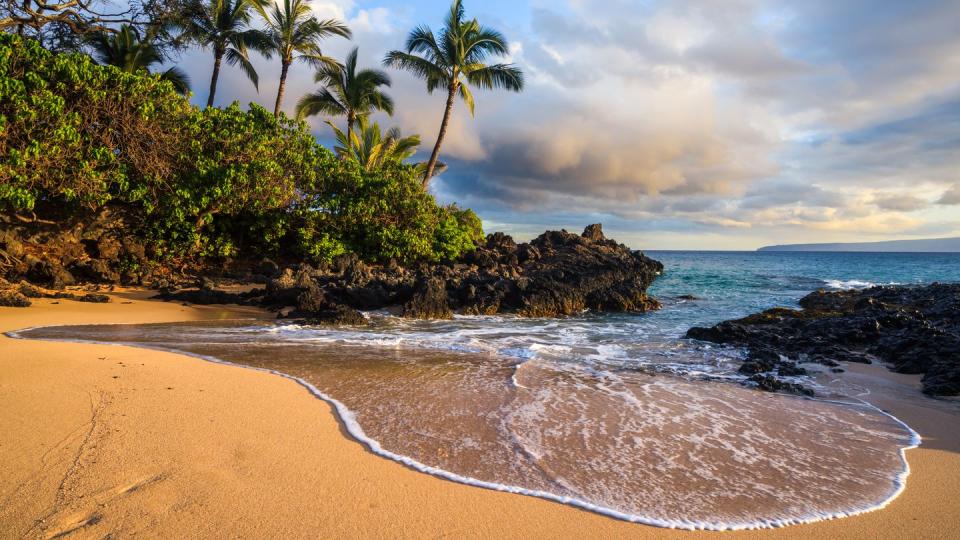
x=100, y=440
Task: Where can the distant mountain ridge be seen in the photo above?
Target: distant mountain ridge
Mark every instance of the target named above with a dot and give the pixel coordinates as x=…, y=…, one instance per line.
x=929, y=245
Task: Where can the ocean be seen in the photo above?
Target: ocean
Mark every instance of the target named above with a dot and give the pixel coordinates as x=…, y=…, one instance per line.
x=617, y=414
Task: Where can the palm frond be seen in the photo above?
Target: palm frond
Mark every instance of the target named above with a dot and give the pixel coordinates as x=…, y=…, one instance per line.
x=421, y=67
x=179, y=79
x=438, y=169
x=467, y=96
x=312, y=30
x=318, y=60
x=454, y=18
x=497, y=76
x=380, y=101
x=320, y=102
x=257, y=40
x=421, y=40
x=483, y=43
x=236, y=58
x=369, y=78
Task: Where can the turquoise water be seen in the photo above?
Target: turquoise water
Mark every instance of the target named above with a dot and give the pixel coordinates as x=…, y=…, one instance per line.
x=735, y=284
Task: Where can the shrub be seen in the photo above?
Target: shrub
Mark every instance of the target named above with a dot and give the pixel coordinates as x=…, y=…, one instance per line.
x=379, y=214
x=76, y=131
x=245, y=166
x=458, y=231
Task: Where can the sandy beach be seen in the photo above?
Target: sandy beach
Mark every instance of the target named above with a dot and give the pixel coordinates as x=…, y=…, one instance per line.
x=100, y=440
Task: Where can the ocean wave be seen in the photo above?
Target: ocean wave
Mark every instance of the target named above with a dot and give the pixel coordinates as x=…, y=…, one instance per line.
x=848, y=284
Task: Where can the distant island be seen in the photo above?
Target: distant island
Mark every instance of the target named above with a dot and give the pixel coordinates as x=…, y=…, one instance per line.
x=929, y=245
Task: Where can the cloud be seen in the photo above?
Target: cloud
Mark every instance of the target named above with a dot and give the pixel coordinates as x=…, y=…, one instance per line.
x=762, y=120
x=899, y=202
x=951, y=196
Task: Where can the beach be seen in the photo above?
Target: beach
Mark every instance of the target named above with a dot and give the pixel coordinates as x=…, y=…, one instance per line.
x=100, y=440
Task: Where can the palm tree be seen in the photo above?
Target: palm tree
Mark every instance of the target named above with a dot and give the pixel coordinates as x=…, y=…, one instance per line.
x=127, y=51
x=455, y=61
x=295, y=34
x=347, y=92
x=224, y=26
x=373, y=149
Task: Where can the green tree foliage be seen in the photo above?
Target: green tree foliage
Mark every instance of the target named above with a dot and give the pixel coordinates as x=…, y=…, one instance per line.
x=202, y=182
x=126, y=50
x=74, y=131
x=373, y=148
x=384, y=214
x=455, y=61
x=235, y=163
x=347, y=91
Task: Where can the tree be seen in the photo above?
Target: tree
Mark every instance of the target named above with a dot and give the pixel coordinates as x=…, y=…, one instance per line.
x=224, y=26
x=295, y=34
x=62, y=25
x=126, y=50
x=372, y=148
x=347, y=92
x=455, y=62
x=81, y=16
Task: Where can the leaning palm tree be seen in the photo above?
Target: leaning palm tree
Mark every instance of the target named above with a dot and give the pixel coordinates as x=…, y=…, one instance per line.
x=373, y=149
x=295, y=34
x=347, y=92
x=126, y=50
x=455, y=61
x=224, y=26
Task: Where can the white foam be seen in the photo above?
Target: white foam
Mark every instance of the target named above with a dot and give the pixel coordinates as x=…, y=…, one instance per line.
x=352, y=426
x=851, y=284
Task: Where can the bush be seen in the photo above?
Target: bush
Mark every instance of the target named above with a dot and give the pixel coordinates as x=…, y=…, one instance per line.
x=202, y=183
x=384, y=214
x=458, y=231
x=78, y=132
x=245, y=166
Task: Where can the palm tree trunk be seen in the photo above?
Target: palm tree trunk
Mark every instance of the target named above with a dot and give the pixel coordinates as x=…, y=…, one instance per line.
x=351, y=119
x=283, y=85
x=435, y=156
x=213, y=79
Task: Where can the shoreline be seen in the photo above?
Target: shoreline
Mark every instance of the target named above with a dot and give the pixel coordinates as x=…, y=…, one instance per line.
x=552, y=519
x=353, y=430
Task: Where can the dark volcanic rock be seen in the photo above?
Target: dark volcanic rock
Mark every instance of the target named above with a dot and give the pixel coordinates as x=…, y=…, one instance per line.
x=769, y=383
x=913, y=329
x=11, y=298
x=209, y=296
x=337, y=315
x=50, y=274
x=30, y=291
x=93, y=298
x=429, y=301
x=96, y=271
x=556, y=274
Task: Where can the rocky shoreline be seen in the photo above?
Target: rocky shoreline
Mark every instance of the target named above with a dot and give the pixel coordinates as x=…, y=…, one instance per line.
x=913, y=330
x=556, y=274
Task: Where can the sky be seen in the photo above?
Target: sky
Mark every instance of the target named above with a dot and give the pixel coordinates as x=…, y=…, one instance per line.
x=681, y=124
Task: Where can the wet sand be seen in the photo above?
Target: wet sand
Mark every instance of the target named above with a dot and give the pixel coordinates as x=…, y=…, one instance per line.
x=105, y=439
